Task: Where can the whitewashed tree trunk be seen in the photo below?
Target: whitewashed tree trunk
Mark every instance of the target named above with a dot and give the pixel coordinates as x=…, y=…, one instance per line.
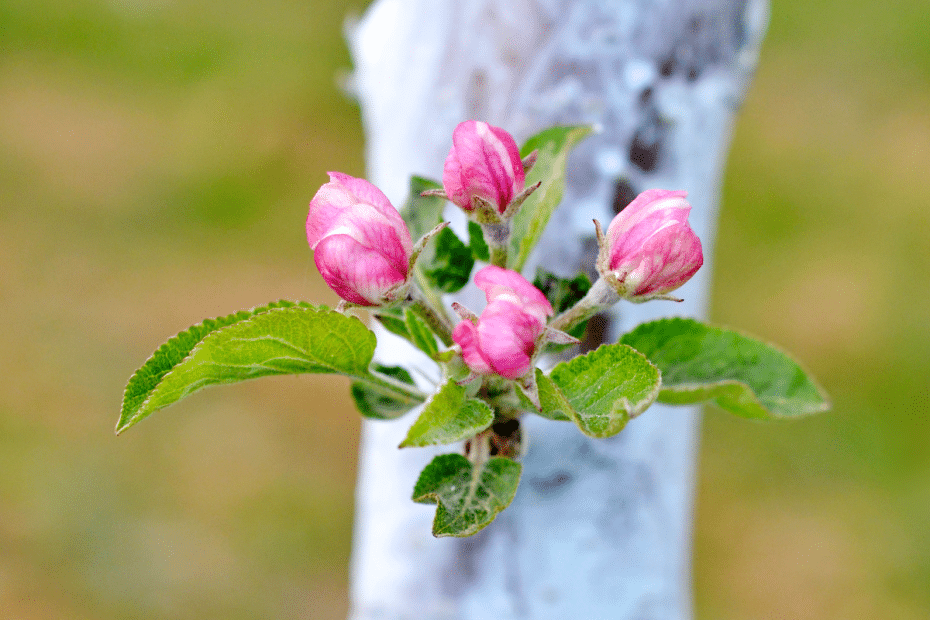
x=599, y=529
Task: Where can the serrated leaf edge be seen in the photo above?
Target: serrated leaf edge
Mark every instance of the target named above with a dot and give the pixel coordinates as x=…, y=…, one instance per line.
x=282, y=304
x=825, y=405
x=433, y=497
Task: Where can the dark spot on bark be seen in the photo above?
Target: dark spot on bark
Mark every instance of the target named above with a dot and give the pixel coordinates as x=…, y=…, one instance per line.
x=693, y=74
x=647, y=142
x=552, y=482
x=623, y=195
x=667, y=67
x=645, y=97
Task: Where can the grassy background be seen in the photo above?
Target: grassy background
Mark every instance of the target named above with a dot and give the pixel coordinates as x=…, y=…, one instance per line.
x=156, y=159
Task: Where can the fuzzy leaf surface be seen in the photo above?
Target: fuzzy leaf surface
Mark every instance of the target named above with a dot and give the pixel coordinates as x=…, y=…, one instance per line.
x=740, y=374
x=554, y=145
x=467, y=497
x=449, y=416
x=286, y=338
x=601, y=390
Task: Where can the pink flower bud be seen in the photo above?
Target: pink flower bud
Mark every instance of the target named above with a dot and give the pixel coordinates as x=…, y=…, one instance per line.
x=360, y=243
x=504, y=339
x=484, y=162
x=650, y=248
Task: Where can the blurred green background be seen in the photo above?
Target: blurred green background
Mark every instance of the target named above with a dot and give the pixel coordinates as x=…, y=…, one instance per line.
x=156, y=159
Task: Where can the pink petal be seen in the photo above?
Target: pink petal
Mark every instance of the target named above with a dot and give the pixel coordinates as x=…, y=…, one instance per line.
x=649, y=204
x=496, y=282
x=465, y=335
x=356, y=273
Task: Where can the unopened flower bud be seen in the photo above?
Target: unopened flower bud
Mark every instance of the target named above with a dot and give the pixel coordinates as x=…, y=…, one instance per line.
x=360, y=243
x=483, y=166
x=505, y=337
x=649, y=249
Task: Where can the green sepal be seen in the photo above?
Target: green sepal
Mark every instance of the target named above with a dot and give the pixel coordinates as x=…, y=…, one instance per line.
x=451, y=263
x=601, y=390
x=282, y=338
x=738, y=373
x=553, y=146
x=449, y=416
x=479, y=248
x=375, y=404
x=467, y=497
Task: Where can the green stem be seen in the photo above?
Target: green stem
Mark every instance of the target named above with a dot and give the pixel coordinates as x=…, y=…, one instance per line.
x=599, y=297
x=436, y=321
x=497, y=236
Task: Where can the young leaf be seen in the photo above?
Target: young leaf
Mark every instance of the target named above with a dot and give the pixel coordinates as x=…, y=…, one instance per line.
x=554, y=405
x=449, y=417
x=563, y=293
x=479, y=248
x=376, y=403
x=286, y=339
x=467, y=497
x=420, y=334
x=422, y=213
x=451, y=261
x=601, y=390
x=554, y=145
x=393, y=321
x=743, y=375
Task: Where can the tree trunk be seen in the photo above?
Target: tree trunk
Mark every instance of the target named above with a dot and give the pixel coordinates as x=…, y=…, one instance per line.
x=599, y=529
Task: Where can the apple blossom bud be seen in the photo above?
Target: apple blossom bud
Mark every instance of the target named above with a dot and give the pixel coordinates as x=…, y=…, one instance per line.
x=649, y=249
x=483, y=165
x=360, y=243
x=505, y=337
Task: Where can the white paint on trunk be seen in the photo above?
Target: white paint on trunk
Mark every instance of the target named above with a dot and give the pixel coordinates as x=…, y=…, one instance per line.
x=599, y=529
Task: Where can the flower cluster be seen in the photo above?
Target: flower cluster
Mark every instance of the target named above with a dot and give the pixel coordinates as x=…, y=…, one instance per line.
x=365, y=253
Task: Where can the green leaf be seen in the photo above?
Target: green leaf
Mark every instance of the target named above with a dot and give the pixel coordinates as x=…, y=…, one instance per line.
x=377, y=404
x=467, y=497
x=449, y=416
x=286, y=338
x=170, y=354
x=554, y=145
x=451, y=263
x=601, y=390
x=563, y=293
x=554, y=405
x=420, y=334
x=422, y=214
x=393, y=321
x=738, y=373
x=479, y=248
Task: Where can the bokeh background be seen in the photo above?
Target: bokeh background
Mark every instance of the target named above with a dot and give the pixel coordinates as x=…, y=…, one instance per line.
x=156, y=159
